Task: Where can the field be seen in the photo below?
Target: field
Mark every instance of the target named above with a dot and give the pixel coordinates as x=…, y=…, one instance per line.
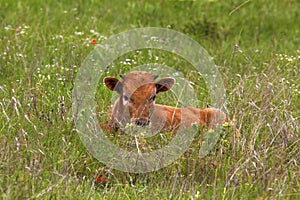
x=256, y=46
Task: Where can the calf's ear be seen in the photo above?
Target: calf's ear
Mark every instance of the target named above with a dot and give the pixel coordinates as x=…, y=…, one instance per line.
x=164, y=84
x=113, y=84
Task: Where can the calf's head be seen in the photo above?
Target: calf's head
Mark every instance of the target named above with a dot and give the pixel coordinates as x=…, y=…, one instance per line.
x=137, y=92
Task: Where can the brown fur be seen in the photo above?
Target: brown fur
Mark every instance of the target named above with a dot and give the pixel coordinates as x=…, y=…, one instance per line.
x=139, y=89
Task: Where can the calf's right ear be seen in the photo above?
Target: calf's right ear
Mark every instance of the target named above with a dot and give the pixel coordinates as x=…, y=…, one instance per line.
x=113, y=84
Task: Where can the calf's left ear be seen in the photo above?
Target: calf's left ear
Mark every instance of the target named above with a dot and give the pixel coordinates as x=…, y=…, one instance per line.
x=113, y=84
x=164, y=84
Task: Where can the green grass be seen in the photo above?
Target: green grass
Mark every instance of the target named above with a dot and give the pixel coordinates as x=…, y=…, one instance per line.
x=254, y=43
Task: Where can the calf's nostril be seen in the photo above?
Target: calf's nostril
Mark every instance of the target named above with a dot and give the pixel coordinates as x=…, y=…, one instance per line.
x=142, y=122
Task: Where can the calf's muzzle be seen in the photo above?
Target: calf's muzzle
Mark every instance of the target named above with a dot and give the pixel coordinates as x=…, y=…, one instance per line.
x=142, y=122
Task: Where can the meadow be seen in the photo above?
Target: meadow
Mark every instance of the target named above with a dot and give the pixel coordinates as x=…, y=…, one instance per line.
x=256, y=46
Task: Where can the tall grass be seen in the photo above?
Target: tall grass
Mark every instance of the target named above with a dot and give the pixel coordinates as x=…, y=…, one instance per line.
x=255, y=45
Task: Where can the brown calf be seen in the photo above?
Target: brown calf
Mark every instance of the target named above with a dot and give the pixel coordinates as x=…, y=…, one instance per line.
x=136, y=104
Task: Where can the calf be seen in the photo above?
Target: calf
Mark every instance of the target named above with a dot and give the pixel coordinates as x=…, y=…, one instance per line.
x=136, y=104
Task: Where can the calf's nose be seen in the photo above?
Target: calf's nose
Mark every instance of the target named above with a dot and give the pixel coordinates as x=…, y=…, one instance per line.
x=142, y=122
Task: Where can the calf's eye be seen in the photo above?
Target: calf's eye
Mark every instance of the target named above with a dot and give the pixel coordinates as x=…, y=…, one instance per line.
x=152, y=98
x=126, y=98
